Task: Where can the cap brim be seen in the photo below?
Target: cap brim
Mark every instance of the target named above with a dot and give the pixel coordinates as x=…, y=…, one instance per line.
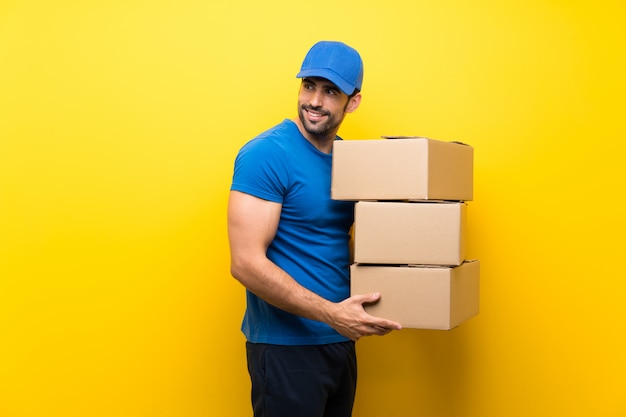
x=331, y=76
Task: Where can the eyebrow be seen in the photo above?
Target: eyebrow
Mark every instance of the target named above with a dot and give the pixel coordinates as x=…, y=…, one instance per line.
x=323, y=81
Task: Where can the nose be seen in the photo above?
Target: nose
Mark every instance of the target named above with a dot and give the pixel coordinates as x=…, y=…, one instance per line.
x=317, y=98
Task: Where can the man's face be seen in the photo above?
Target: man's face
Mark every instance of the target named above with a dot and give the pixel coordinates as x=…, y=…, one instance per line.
x=321, y=106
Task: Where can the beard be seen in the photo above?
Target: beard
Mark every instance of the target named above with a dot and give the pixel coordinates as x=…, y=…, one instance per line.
x=321, y=128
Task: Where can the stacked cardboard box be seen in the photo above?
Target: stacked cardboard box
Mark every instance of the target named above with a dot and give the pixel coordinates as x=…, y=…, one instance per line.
x=410, y=227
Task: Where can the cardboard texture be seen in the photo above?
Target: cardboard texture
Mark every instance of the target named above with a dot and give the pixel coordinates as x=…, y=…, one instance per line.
x=410, y=233
x=436, y=298
x=402, y=169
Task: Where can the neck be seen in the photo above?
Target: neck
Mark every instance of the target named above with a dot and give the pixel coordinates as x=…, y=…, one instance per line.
x=324, y=143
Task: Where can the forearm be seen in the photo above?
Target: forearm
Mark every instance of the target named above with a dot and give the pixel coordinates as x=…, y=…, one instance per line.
x=271, y=283
x=252, y=224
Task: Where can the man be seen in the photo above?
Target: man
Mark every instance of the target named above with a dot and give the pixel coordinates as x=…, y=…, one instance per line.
x=289, y=247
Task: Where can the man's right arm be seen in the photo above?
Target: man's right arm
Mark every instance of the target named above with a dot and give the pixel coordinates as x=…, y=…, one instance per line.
x=252, y=225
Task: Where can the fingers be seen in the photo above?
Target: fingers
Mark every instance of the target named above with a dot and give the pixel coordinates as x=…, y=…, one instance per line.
x=367, y=298
x=371, y=330
x=387, y=327
x=351, y=319
x=377, y=324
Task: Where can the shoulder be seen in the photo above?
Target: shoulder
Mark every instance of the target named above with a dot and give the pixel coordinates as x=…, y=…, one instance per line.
x=279, y=133
x=263, y=165
x=273, y=143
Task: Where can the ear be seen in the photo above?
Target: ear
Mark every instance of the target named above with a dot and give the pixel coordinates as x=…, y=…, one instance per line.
x=353, y=103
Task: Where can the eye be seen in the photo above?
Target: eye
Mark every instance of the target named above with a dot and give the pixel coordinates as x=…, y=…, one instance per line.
x=331, y=92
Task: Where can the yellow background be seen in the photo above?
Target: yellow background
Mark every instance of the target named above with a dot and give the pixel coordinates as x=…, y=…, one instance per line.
x=119, y=122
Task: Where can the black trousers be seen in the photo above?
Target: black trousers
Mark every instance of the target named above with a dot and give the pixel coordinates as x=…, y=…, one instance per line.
x=302, y=381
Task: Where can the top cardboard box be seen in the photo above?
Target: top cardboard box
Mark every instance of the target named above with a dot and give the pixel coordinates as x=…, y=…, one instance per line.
x=404, y=168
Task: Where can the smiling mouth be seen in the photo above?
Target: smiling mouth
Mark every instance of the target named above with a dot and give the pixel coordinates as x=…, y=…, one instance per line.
x=314, y=114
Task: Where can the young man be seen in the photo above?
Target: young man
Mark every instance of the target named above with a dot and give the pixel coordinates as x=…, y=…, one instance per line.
x=289, y=246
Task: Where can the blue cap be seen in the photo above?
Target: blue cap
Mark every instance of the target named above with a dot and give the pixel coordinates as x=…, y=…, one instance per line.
x=335, y=61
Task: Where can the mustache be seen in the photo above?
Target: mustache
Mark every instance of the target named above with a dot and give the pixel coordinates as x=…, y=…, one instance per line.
x=317, y=109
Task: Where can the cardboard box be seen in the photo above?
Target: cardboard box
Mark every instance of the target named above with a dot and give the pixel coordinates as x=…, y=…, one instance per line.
x=402, y=169
x=438, y=298
x=410, y=232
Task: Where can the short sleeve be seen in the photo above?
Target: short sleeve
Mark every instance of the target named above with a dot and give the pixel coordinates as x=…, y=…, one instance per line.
x=261, y=170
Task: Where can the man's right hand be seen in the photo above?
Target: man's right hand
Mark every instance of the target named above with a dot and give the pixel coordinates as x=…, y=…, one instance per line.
x=350, y=319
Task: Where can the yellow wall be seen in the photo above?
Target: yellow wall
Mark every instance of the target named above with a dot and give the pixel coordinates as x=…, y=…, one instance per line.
x=119, y=121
